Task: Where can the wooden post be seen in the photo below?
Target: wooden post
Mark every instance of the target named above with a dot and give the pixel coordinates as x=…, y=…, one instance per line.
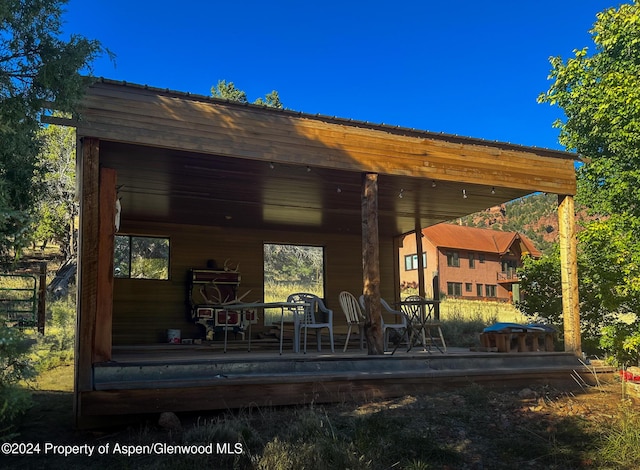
x=106, y=233
x=397, y=243
x=42, y=296
x=88, y=177
x=371, y=264
x=418, y=233
x=435, y=283
x=569, y=275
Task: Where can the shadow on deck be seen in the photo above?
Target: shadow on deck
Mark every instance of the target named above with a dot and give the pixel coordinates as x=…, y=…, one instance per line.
x=178, y=378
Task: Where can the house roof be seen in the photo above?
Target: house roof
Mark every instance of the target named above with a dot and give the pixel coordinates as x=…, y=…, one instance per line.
x=477, y=239
x=189, y=159
x=391, y=129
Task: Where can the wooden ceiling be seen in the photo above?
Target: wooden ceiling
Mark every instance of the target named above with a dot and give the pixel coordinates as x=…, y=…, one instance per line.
x=175, y=186
x=196, y=160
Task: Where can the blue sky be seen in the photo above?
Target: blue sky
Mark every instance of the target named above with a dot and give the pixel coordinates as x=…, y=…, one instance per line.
x=460, y=67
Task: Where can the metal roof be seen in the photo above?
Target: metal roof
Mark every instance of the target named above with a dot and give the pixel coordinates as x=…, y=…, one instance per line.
x=398, y=130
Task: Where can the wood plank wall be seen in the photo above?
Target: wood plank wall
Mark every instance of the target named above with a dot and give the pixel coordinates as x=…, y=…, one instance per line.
x=144, y=309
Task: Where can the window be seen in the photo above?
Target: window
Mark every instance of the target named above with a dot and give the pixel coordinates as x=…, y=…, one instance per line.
x=490, y=290
x=481, y=258
x=289, y=269
x=472, y=260
x=454, y=288
x=411, y=262
x=479, y=290
x=468, y=287
x=453, y=259
x=141, y=257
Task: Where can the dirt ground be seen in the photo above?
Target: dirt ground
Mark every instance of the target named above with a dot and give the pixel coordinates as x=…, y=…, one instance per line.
x=486, y=429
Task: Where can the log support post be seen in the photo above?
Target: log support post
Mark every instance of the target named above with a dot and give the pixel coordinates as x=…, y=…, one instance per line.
x=88, y=179
x=569, y=274
x=95, y=267
x=371, y=264
x=422, y=292
x=106, y=236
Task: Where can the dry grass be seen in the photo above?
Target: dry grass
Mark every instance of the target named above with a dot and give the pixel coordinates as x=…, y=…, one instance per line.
x=459, y=309
x=488, y=311
x=59, y=379
x=468, y=428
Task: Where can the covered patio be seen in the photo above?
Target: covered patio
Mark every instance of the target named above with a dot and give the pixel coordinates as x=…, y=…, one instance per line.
x=219, y=179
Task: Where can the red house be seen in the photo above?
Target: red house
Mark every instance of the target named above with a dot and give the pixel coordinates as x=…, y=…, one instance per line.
x=472, y=263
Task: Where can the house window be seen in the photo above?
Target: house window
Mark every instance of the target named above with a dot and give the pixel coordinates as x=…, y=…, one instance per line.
x=468, y=287
x=453, y=259
x=479, y=289
x=141, y=257
x=289, y=269
x=490, y=290
x=472, y=260
x=411, y=262
x=481, y=258
x=454, y=288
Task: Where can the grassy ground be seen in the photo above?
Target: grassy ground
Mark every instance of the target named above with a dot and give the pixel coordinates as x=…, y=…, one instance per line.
x=490, y=312
x=466, y=428
x=458, y=309
x=59, y=379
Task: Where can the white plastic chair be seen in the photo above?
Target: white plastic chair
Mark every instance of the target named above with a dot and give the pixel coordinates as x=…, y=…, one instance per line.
x=307, y=316
x=354, y=316
x=399, y=326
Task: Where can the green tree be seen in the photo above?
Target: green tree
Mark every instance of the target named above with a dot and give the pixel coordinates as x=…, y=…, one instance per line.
x=541, y=288
x=228, y=91
x=303, y=264
x=57, y=208
x=602, y=284
x=38, y=70
x=600, y=96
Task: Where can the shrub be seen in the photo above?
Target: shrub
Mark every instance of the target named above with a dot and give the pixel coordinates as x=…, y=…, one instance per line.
x=621, y=343
x=464, y=332
x=14, y=368
x=56, y=347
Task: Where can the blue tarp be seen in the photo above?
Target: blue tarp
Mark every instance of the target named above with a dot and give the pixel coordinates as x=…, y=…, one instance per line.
x=516, y=327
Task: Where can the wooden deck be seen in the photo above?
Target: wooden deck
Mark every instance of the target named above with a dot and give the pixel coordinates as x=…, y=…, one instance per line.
x=178, y=378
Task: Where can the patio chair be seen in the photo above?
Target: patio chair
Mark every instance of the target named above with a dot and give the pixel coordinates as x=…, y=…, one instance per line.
x=354, y=316
x=399, y=326
x=315, y=315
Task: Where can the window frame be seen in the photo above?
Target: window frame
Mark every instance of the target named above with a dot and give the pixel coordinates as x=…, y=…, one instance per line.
x=454, y=289
x=413, y=261
x=271, y=316
x=491, y=290
x=130, y=257
x=453, y=259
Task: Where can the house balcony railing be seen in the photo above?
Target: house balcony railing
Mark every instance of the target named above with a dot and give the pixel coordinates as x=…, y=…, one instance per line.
x=510, y=276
